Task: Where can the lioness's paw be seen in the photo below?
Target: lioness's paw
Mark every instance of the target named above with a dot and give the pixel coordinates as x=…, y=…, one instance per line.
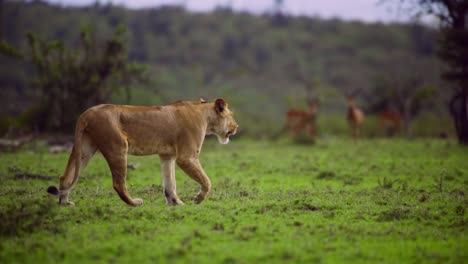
x=66, y=203
x=174, y=201
x=198, y=198
x=137, y=202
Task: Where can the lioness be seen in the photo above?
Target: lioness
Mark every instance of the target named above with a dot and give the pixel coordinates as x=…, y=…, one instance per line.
x=175, y=132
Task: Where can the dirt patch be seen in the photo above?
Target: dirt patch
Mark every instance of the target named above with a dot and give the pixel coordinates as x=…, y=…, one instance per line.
x=394, y=214
x=325, y=175
x=30, y=176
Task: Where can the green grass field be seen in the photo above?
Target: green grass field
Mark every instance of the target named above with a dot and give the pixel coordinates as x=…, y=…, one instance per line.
x=271, y=202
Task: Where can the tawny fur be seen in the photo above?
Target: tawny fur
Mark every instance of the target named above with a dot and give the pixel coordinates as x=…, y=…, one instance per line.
x=355, y=118
x=175, y=132
x=300, y=121
x=390, y=122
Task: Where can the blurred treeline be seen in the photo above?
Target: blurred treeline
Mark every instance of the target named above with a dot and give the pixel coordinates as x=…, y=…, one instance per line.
x=262, y=65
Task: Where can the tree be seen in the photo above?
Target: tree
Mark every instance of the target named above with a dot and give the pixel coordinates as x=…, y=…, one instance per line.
x=70, y=80
x=404, y=92
x=305, y=78
x=453, y=16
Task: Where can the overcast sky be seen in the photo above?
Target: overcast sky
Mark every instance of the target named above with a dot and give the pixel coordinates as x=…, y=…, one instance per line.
x=364, y=10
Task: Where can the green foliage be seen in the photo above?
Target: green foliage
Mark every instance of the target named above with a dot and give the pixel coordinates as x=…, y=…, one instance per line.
x=273, y=202
x=8, y=50
x=69, y=80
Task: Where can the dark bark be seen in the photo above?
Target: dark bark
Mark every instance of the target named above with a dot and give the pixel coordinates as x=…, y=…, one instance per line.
x=454, y=52
x=408, y=117
x=459, y=112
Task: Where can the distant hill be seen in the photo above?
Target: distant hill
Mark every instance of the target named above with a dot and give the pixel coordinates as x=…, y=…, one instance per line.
x=262, y=64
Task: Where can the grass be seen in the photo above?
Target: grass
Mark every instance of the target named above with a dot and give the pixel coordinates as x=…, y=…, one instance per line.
x=274, y=202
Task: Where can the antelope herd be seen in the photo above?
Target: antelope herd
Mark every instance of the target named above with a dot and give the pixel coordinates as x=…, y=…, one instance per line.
x=303, y=122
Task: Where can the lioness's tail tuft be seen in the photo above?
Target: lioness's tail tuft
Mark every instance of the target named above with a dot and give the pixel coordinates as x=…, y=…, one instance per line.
x=53, y=190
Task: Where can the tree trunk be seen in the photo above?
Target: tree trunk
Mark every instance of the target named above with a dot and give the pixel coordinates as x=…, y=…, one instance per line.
x=459, y=112
x=407, y=117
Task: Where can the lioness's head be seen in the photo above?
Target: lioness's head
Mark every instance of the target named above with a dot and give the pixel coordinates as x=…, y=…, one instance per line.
x=223, y=125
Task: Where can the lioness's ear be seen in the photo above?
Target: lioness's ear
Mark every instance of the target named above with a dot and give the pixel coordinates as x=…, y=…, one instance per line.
x=220, y=104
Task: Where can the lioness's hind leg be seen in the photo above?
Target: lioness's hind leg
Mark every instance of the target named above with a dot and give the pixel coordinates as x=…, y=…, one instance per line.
x=117, y=160
x=69, y=178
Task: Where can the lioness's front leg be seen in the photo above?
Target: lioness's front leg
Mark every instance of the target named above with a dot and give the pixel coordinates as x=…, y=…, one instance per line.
x=193, y=168
x=169, y=182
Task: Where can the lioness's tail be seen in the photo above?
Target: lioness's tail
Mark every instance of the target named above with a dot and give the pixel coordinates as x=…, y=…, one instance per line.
x=76, y=154
x=80, y=126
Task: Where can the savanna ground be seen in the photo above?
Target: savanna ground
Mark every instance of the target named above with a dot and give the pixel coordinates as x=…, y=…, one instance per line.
x=372, y=201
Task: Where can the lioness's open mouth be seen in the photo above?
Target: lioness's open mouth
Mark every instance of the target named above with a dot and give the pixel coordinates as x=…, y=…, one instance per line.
x=224, y=138
x=230, y=133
